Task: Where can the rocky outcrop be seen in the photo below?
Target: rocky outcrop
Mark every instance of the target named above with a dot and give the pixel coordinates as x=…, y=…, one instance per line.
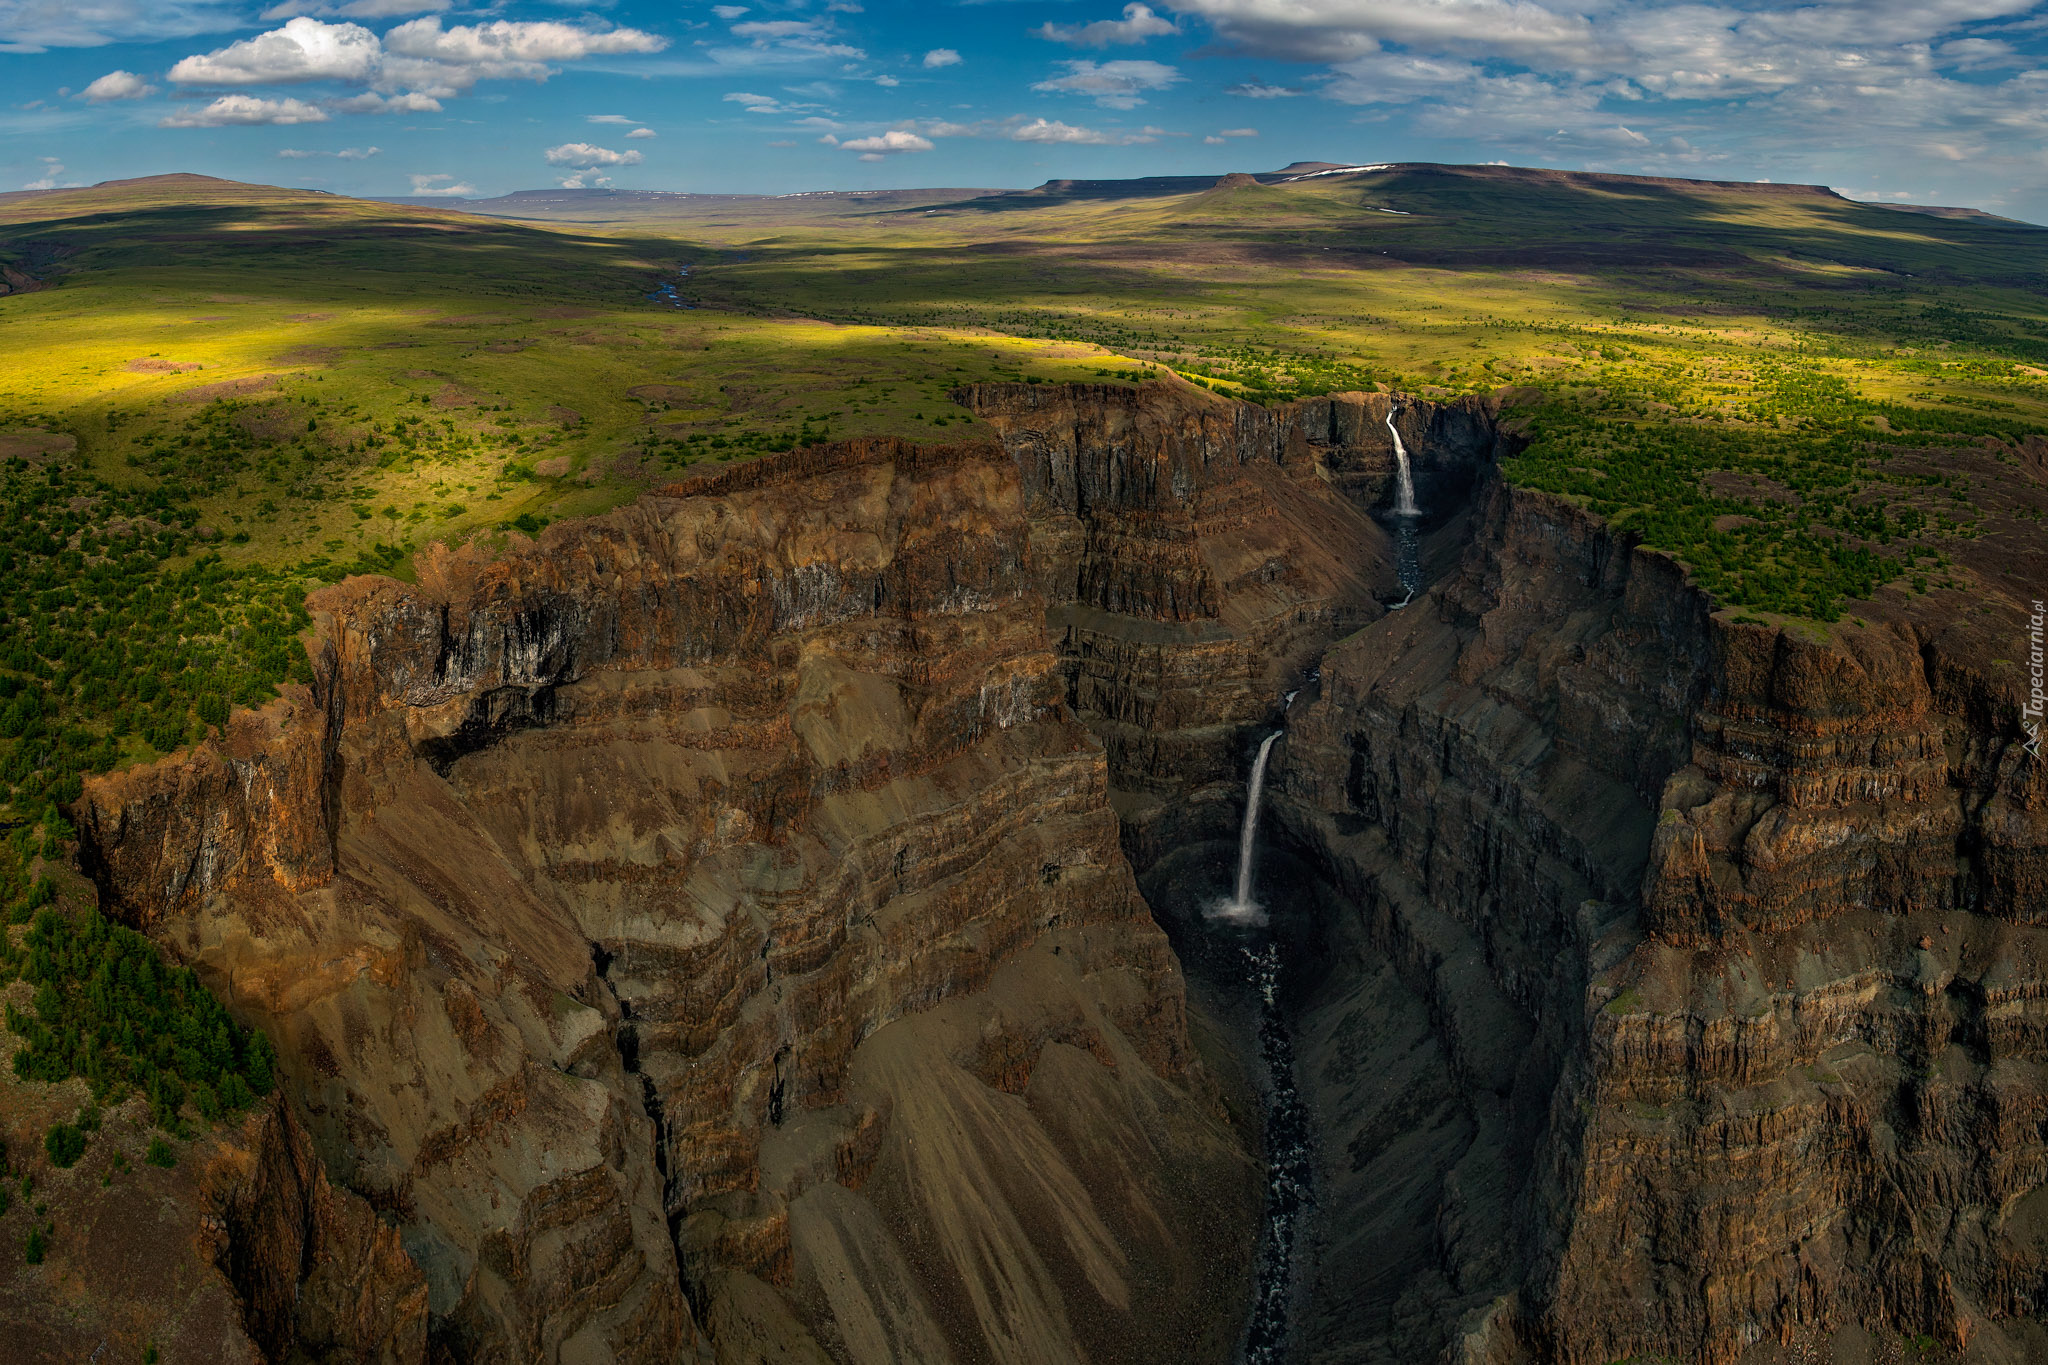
x=317, y=1273
x=716, y=896
x=1689, y=996
x=240, y=1250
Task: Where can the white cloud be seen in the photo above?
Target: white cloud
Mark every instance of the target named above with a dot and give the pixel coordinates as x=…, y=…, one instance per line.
x=352, y=9
x=345, y=154
x=52, y=168
x=246, y=110
x=38, y=25
x=640, y=133
x=1113, y=85
x=418, y=60
x=728, y=12
x=783, y=42
x=887, y=82
x=941, y=56
x=303, y=50
x=370, y=102
x=117, y=85
x=1259, y=90
x=1138, y=24
x=610, y=118
x=895, y=140
x=1043, y=130
x=586, y=156
x=441, y=185
x=1238, y=132
x=517, y=47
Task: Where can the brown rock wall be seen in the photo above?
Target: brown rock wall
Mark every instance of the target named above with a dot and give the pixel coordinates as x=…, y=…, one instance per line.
x=582, y=880
x=1743, y=1012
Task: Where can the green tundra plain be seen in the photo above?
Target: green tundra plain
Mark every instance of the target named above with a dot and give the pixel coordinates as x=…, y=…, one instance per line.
x=215, y=397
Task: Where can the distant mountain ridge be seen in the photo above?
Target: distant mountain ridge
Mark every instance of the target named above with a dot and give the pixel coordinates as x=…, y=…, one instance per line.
x=546, y=202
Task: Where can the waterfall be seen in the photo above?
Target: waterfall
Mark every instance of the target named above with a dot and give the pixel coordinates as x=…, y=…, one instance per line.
x=1407, y=554
x=1240, y=907
x=1404, y=500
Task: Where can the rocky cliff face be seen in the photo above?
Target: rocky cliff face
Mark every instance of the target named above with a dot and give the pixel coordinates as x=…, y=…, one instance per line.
x=1687, y=998
x=704, y=932
x=1198, y=554
x=711, y=930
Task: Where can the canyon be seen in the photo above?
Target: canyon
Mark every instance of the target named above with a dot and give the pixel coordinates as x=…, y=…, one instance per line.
x=744, y=925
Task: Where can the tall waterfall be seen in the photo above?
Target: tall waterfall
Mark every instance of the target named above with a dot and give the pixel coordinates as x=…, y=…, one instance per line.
x=1404, y=492
x=1240, y=907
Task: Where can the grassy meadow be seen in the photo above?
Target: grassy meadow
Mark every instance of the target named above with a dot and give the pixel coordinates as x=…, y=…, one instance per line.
x=224, y=395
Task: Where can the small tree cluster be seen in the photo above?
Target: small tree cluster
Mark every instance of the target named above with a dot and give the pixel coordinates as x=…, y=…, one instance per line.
x=109, y=1009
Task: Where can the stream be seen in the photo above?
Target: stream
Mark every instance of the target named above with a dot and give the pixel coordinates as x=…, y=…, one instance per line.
x=1290, y=1191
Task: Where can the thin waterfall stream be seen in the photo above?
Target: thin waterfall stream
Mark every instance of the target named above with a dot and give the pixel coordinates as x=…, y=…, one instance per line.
x=1404, y=476
x=1241, y=908
x=1290, y=1193
x=1407, y=555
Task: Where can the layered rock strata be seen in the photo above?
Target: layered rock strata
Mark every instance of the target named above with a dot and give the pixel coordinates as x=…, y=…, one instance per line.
x=1198, y=554
x=1687, y=999
x=716, y=897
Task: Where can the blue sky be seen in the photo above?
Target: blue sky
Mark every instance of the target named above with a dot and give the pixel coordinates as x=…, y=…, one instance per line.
x=1919, y=100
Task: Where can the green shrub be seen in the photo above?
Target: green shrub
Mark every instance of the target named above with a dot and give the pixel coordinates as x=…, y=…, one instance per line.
x=160, y=1154
x=64, y=1144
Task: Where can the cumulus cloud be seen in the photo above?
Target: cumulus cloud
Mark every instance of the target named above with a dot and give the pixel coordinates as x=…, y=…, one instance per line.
x=1113, y=85
x=518, y=47
x=586, y=156
x=1045, y=130
x=445, y=186
x=895, y=140
x=419, y=60
x=941, y=56
x=610, y=118
x=117, y=85
x=52, y=168
x=1138, y=24
x=303, y=50
x=370, y=102
x=246, y=110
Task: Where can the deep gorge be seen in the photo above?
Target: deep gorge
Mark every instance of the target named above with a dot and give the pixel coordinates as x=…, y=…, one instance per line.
x=732, y=925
